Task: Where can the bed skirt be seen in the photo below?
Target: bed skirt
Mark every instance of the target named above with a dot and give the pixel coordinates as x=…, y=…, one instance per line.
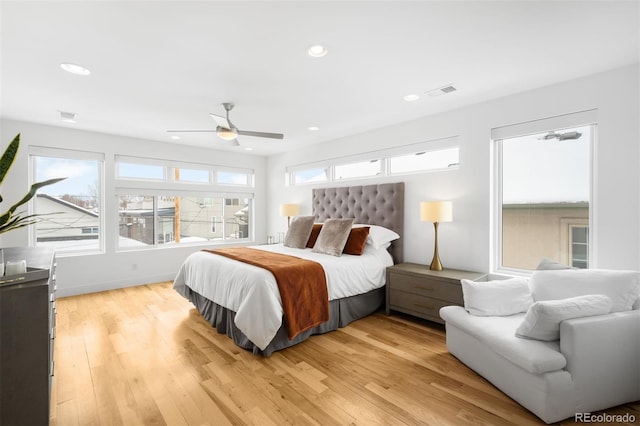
x=341, y=313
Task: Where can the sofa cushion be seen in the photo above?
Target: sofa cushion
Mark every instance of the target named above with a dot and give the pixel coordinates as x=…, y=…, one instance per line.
x=499, y=297
x=623, y=287
x=498, y=333
x=542, y=320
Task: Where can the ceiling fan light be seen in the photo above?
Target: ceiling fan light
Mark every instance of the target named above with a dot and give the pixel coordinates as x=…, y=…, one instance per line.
x=227, y=134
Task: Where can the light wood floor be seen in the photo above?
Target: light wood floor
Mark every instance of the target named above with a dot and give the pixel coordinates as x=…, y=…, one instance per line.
x=144, y=355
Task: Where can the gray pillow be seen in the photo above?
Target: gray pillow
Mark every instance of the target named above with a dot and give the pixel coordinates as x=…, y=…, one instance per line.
x=299, y=231
x=333, y=236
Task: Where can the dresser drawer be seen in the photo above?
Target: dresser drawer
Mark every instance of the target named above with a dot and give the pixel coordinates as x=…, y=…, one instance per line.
x=419, y=306
x=427, y=287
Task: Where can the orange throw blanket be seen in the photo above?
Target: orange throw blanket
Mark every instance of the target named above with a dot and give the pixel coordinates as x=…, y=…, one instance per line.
x=302, y=284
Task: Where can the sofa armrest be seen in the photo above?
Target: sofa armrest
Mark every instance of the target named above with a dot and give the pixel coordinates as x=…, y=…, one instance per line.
x=603, y=358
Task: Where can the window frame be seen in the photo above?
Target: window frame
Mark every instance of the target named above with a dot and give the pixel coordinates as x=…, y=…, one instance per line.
x=383, y=156
x=169, y=172
x=558, y=123
x=70, y=154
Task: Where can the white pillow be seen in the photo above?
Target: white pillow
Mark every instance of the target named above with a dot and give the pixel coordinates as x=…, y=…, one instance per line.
x=378, y=235
x=496, y=298
x=542, y=321
x=623, y=287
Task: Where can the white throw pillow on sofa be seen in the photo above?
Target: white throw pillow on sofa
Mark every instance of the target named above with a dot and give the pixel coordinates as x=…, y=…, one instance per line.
x=623, y=287
x=496, y=298
x=542, y=321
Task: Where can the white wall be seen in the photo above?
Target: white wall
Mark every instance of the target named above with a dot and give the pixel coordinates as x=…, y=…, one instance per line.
x=465, y=243
x=112, y=269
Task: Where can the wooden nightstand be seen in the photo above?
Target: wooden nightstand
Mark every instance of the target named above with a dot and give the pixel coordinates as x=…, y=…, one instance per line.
x=416, y=290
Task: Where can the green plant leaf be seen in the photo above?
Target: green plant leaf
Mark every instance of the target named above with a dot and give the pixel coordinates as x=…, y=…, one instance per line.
x=8, y=157
x=32, y=192
x=18, y=221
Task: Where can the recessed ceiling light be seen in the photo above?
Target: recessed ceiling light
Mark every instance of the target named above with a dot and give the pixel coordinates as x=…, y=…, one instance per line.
x=67, y=117
x=248, y=148
x=175, y=137
x=313, y=128
x=75, y=69
x=317, y=51
x=411, y=97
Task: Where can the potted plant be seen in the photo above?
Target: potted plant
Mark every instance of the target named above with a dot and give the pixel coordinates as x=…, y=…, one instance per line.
x=13, y=219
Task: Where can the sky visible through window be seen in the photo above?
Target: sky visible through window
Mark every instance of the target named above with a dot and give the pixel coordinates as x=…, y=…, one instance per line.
x=536, y=170
x=81, y=176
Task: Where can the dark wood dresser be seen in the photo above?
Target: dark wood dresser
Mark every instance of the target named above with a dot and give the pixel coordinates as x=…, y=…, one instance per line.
x=27, y=332
x=416, y=290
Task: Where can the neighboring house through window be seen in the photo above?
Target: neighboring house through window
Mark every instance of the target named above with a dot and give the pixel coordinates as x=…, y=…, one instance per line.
x=196, y=209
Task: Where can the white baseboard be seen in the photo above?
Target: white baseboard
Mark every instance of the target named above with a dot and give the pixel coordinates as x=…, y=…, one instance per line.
x=111, y=285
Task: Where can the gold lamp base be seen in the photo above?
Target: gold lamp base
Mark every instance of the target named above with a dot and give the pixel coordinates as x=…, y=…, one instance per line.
x=435, y=265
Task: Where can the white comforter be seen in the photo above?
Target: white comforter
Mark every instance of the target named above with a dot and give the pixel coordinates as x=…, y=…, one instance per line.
x=252, y=292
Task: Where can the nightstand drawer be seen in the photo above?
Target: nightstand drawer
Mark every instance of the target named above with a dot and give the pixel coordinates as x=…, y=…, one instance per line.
x=420, y=306
x=427, y=287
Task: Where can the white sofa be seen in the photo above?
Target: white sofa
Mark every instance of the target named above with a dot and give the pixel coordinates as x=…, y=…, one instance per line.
x=594, y=365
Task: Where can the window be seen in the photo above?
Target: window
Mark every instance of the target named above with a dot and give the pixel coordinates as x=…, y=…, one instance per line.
x=357, y=170
x=579, y=249
x=311, y=175
x=150, y=169
x=434, y=155
x=424, y=161
x=544, y=187
x=182, y=174
x=71, y=209
x=151, y=215
x=127, y=170
x=147, y=220
x=233, y=177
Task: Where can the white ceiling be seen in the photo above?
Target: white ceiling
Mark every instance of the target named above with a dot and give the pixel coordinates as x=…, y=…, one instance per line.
x=158, y=65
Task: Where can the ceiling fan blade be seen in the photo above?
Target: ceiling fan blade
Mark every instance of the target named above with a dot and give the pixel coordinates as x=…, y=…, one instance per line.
x=261, y=134
x=220, y=121
x=187, y=131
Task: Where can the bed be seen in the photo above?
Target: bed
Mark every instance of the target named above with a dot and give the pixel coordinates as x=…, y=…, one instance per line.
x=249, y=311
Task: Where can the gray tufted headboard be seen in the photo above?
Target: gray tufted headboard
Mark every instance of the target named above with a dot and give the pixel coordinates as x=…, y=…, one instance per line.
x=381, y=205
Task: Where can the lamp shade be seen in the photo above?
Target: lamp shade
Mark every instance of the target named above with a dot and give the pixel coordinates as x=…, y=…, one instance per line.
x=436, y=211
x=289, y=209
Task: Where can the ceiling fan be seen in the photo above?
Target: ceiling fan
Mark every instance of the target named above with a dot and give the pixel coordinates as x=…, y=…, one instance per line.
x=562, y=136
x=228, y=131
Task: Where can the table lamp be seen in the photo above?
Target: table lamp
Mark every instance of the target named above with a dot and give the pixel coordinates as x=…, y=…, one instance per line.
x=436, y=212
x=289, y=210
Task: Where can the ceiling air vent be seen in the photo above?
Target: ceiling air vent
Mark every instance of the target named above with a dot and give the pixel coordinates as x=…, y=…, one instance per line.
x=441, y=90
x=68, y=117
